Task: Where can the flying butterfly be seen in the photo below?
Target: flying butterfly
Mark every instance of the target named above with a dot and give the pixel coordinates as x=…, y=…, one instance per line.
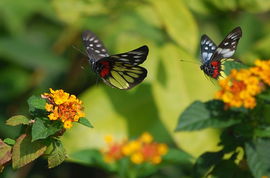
x=120, y=71
x=211, y=54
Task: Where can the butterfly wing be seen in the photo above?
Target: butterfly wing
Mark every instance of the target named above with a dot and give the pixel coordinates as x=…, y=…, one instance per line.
x=208, y=48
x=125, y=76
x=134, y=57
x=228, y=46
x=122, y=70
x=94, y=46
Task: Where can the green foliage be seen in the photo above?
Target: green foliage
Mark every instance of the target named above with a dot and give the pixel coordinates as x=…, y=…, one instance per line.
x=36, y=103
x=17, y=120
x=36, y=54
x=57, y=155
x=229, y=65
x=258, y=157
x=43, y=128
x=201, y=115
x=85, y=122
x=5, y=153
x=25, y=151
x=9, y=141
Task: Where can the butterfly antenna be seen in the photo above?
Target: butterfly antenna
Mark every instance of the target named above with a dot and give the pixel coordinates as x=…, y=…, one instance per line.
x=79, y=50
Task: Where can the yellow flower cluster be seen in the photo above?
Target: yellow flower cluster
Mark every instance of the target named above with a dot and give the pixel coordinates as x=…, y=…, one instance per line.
x=241, y=86
x=63, y=106
x=141, y=150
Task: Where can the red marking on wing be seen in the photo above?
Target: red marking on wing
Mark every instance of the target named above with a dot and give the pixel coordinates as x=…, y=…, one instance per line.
x=216, y=65
x=105, y=69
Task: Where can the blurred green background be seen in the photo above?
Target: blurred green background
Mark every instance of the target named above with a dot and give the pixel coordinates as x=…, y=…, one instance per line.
x=40, y=44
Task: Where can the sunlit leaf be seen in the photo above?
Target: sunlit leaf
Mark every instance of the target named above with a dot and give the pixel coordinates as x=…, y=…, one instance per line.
x=17, y=120
x=179, y=22
x=25, y=151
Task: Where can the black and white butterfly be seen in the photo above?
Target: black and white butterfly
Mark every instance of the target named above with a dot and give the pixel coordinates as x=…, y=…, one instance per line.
x=211, y=54
x=120, y=70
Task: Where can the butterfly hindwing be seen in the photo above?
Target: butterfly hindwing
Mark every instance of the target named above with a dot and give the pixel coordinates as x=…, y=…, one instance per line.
x=124, y=76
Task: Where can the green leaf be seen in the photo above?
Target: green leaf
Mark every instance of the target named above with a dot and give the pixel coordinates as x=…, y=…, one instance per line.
x=5, y=153
x=183, y=32
x=85, y=122
x=9, y=141
x=205, y=163
x=58, y=154
x=17, y=120
x=198, y=116
x=258, y=157
x=265, y=95
x=262, y=132
x=42, y=128
x=229, y=65
x=232, y=170
x=177, y=156
x=25, y=151
x=36, y=103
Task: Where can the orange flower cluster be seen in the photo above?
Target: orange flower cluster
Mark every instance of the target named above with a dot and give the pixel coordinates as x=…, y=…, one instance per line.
x=139, y=151
x=241, y=86
x=63, y=106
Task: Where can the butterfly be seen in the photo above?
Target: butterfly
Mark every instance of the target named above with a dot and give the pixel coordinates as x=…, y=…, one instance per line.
x=211, y=54
x=120, y=71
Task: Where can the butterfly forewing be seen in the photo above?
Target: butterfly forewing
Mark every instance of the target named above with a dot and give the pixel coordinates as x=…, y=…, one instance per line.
x=134, y=57
x=227, y=47
x=208, y=47
x=94, y=46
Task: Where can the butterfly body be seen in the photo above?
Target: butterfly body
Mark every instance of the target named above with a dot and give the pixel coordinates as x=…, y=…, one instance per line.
x=120, y=71
x=212, y=68
x=211, y=54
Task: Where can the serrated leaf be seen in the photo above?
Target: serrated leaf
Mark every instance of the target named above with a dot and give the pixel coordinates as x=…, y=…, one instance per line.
x=197, y=116
x=9, y=141
x=258, y=157
x=229, y=65
x=205, y=162
x=41, y=130
x=17, y=120
x=5, y=153
x=58, y=154
x=25, y=151
x=85, y=122
x=36, y=103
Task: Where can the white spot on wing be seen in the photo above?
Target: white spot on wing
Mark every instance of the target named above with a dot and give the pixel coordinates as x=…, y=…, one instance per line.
x=91, y=39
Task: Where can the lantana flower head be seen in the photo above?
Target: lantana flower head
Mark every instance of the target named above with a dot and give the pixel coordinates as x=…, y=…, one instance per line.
x=240, y=88
x=140, y=150
x=63, y=106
